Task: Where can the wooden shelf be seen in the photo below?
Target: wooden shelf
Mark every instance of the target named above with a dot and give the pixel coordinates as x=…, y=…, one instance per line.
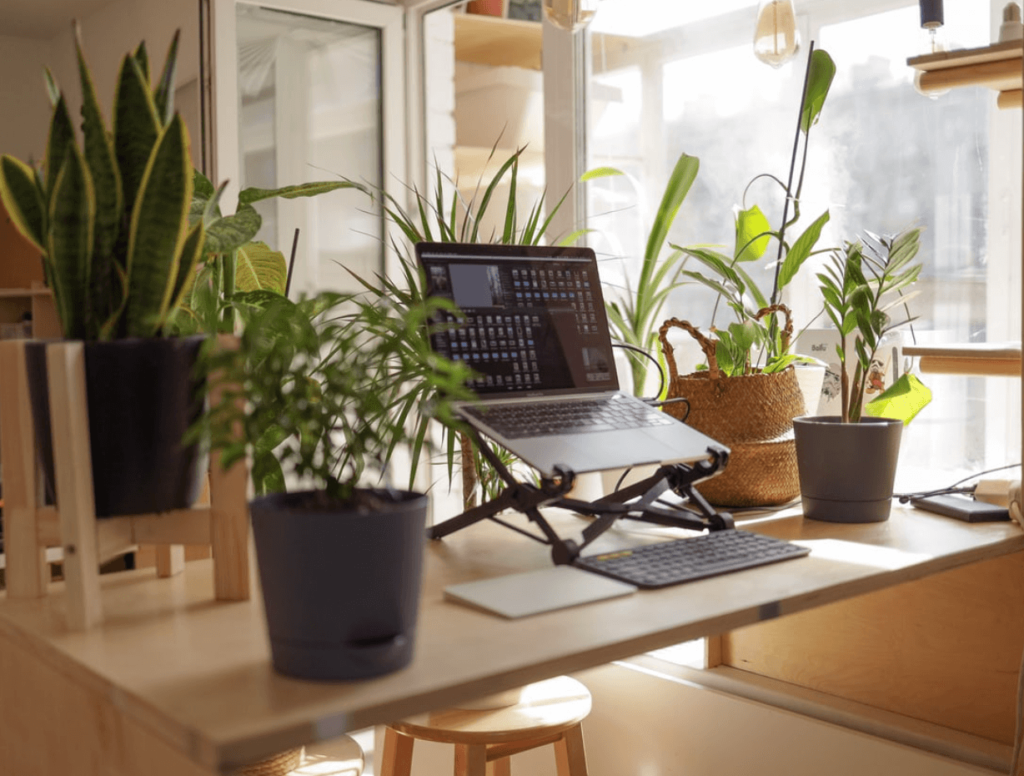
x=491, y=40
x=982, y=359
x=997, y=66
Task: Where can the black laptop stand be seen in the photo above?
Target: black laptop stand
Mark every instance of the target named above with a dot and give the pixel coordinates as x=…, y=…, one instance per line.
x=638, y=502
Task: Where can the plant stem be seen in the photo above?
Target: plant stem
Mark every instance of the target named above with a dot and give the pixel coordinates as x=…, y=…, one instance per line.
x=792, y=169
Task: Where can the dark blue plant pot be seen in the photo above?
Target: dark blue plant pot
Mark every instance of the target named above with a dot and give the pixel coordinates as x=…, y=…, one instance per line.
x=341, y=587
x=143, y=394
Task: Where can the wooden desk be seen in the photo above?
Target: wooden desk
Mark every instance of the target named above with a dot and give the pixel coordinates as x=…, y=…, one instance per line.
x=176, y=683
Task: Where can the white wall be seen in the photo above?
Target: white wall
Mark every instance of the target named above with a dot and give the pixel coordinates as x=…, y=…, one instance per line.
x=107, y=35
x=24, y=108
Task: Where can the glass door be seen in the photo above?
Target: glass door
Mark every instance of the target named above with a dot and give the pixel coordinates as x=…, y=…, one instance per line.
x=308, y=90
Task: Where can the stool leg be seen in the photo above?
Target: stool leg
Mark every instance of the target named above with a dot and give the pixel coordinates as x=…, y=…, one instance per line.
x=570, y=756
x=396, y=759
x=501, y=767
x=470, y=760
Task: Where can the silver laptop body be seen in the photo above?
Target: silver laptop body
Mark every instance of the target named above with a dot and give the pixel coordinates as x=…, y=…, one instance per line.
x=532, y=324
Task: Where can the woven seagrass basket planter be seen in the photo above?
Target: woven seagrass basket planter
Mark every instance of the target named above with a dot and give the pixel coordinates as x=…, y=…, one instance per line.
x=280, y=764
x=751, y=414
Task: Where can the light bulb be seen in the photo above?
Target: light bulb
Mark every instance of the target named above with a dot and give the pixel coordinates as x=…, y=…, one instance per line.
x=570, y=15
x=776, y=38
x=932, y=19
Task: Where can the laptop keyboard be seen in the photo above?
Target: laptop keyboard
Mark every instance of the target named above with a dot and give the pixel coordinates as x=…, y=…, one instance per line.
x=548, y=418
x=685, y=560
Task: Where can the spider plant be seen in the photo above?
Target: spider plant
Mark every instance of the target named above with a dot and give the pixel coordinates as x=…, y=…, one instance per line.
x=440, y=216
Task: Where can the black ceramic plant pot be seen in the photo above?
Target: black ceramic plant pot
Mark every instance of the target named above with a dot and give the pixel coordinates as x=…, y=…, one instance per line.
x=341, y=587
x=142, y=395
x=847, y=469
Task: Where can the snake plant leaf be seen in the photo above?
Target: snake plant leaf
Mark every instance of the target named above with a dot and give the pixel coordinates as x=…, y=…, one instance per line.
x=52, y=90
x=191, y=250
x=819, y=81
x=752, y=234
x=153, y=242
x=232, y=232
x=250, y=195
x=110, y=324
x=136, y=128
x=260, y=268
x=902, y=400
x=99, y=155
x=164, y=94
x=801, y=250
x=70, y=243
x=62, y=136
x=142, y=60
x=23, y=200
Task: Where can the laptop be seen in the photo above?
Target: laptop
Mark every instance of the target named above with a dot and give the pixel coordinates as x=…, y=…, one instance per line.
x=532, y=325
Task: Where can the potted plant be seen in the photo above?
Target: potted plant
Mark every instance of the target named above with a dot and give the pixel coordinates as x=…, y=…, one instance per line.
x=339, y=560
x=748, y=393
x=847, y=464
x=437, y=218
x=110, y=218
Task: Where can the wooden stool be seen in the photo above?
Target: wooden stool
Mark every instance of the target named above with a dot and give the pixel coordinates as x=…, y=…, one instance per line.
x=549, y=713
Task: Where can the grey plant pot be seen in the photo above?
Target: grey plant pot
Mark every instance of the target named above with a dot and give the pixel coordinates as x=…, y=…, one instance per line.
x=341, y=588
x=847, y=470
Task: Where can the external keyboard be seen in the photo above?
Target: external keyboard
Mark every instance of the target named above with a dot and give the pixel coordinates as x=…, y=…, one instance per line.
x=550, y=418
x=684, y=560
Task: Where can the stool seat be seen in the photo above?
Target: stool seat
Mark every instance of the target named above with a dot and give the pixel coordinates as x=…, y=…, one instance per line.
x=549, y=712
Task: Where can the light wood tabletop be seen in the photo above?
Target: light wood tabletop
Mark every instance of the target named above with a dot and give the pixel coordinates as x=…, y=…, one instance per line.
x=195, y=674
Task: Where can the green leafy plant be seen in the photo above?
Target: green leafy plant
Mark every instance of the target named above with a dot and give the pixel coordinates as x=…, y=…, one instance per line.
x=756, y=325
x=325, y=382
x=634, y=316
x=232, y=261
x=110, y=218
x=439, y=217
x=861, y=284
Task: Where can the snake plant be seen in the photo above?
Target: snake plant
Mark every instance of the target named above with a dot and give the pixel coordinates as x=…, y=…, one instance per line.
x=110, y=215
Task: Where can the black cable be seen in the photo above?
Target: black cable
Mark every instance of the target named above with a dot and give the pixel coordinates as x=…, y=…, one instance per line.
x=660, y=404
x=955, y=487
x=623, y=477
x=645, y=354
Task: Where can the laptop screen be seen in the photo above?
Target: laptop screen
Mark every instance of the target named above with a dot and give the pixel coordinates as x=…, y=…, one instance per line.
x=531, y=319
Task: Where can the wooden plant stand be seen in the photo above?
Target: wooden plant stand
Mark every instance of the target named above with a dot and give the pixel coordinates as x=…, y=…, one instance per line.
x=30, y=526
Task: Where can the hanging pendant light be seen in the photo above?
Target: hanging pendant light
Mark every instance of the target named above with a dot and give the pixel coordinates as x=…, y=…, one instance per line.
x=571, y=15
x=776, y=38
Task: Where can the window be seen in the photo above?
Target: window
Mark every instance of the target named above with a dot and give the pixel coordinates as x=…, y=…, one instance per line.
x=882, y=157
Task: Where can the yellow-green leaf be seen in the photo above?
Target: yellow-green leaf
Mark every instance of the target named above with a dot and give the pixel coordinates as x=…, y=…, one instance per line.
x=750, y=226
x=70, y=243
x=259, y=268
x=158, y=221
x=22, y=199
x=902, y=400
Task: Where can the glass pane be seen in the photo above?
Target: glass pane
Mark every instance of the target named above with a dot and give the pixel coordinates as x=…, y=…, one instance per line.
x=310, y=109
x=882, y=158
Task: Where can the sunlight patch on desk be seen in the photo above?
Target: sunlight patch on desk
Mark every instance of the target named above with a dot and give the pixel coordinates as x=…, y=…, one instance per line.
x=862, y=554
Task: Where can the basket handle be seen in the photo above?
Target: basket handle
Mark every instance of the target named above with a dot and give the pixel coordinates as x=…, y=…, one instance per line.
x=787, y=330
x=706, y=345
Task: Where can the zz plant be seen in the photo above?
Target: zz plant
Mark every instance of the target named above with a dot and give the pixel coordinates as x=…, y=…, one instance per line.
x=861, y=284
x=110, y=216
